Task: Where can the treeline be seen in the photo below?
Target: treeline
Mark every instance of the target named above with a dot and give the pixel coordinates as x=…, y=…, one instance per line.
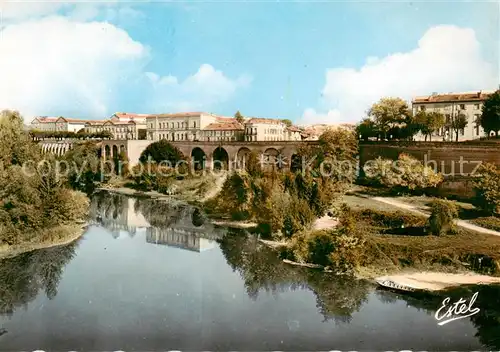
x=70, y=135
x=392, y=119
x=33, y=196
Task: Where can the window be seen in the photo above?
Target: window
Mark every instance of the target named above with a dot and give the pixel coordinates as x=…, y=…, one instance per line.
x=477, y=129
x=462, y=132
x=462, y=106
x=422, y=108
x=178, y=125
x=476, y=106
x=448, y=118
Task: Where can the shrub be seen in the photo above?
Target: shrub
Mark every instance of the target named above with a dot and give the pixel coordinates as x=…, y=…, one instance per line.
x=406, y=173
x=442, y=216
x=488, y=188
x=389, y=219
x=161, y=151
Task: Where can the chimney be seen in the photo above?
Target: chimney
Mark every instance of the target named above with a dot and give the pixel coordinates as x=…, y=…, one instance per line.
x=479, y=94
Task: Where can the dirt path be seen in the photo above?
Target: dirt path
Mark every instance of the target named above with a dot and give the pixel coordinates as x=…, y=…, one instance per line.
x=414, y=209
x=218, y=187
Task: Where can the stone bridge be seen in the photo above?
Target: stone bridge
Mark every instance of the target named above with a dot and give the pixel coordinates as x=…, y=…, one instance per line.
x=210, y=153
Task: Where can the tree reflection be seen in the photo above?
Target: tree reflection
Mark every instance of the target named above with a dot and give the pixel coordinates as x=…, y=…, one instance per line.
x=337, y=298
x=487, y=321
x=22, y=277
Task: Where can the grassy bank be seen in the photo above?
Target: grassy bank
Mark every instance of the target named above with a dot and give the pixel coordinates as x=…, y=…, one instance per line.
x=52, y=237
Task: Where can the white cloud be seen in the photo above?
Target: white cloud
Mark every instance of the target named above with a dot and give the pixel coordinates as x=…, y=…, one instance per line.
x=447, y=59
x=200, y=91
x=57, y=66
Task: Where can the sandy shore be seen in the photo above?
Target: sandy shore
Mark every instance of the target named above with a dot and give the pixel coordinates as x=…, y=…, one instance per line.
x=438, y=281
x=74, y=232
x=325, y=222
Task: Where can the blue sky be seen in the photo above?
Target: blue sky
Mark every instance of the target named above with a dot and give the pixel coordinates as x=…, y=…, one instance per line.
x=308, y=61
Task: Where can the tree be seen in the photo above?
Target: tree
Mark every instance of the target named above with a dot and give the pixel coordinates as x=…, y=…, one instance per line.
x=287, y=122
x=366, y=129
x=490, y=118
x=389, y=112
x=429, y=122
x=239, y=117
x=161, y=151
x=487, y=186
x=458, y=123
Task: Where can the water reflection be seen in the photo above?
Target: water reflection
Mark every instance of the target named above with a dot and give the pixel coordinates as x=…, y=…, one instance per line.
x=23, y=277
x=487, y=321
x=168, y=223
x=337, y=298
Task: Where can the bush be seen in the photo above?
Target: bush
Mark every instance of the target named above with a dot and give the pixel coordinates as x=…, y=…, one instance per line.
x=487, y=187
x=442, y=216
x=389, y=219
x=161, y=151
x=406, y=173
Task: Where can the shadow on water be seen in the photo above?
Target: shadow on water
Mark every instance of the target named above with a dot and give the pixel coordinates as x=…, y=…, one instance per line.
x=24, y=276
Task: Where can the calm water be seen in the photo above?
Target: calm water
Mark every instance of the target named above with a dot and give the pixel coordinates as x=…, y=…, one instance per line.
x=155, y=276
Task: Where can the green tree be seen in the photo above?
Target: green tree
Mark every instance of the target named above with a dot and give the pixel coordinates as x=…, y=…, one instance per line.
x=490, y=118
x=239, y=117
x=367, y=129
x=429, y=122
x=487, y=186
x=287, y=122
x=389, y=112
x=458, y=123
x=443, y=214
x=161, y=151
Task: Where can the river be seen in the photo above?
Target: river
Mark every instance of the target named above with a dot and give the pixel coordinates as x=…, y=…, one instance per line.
x=151, y=275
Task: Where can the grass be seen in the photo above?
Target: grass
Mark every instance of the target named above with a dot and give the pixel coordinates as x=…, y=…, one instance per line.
x=56, y=236
x=396, y=240
x=488, y=222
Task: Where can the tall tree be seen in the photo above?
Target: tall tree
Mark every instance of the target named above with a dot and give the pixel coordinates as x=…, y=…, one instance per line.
x=287, y=122
x=388, y=113
x=239, y=117
x=458, y=123
x=490, y=118
x=366, y=129
x=429, y=122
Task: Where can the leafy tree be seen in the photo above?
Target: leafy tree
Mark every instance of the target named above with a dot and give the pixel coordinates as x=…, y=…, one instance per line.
x=367, y=129
x=458, y=123
x=429, y=122
x=161, y=151
x=407, y=173
x=487, y=186
x=85, y=166
x=389, y=112
x=490, y=118
x=443, y=214
x=287, y=122
x=239, y=117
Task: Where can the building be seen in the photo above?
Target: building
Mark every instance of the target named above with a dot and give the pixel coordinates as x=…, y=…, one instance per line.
x=184, y=126
x=450, y=105
x=260, y=129
x=293, y=133
x=223, y=131
x=94, y=126
x=43, y=123
x=64, y=124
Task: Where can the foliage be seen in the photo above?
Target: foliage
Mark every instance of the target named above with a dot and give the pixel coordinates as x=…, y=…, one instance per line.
x=429, y=122
x=407, y=174
x=70, y=135
x=458, y=123
x=490, y=117
x=253, y=164
x=487, y=186
x=443, y=214
x=161, y=151
x=239, y=117
x=287, y=122
x=153, y=178
x=32, y=196
x=84, y=167
x=389, y=112
x=367, y=129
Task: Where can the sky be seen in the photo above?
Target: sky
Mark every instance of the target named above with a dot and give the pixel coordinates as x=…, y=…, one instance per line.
x=311, y=62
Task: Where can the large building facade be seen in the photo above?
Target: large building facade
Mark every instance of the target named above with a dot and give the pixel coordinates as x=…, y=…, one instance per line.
x=451, y=105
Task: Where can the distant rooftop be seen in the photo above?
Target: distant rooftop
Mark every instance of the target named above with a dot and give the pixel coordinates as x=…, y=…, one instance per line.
x=453, y=97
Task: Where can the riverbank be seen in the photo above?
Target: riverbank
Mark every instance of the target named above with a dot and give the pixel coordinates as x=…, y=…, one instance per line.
x=53, y=237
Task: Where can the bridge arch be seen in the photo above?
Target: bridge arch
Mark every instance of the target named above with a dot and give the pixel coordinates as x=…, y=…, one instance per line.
x=242, y=156
x=114, y=154
x=107, y=151
x=198, y=157
x=271, y=158
x=220, y=159
x=295, y=162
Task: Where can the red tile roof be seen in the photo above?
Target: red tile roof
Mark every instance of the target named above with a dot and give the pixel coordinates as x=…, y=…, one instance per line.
x=264, y=120
x=178, y=114
x=224, y=126
x=67, y=119
x=96, y=122
x=294, y=129
x=129, y=115
x=452, y=97
x=45, y=119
